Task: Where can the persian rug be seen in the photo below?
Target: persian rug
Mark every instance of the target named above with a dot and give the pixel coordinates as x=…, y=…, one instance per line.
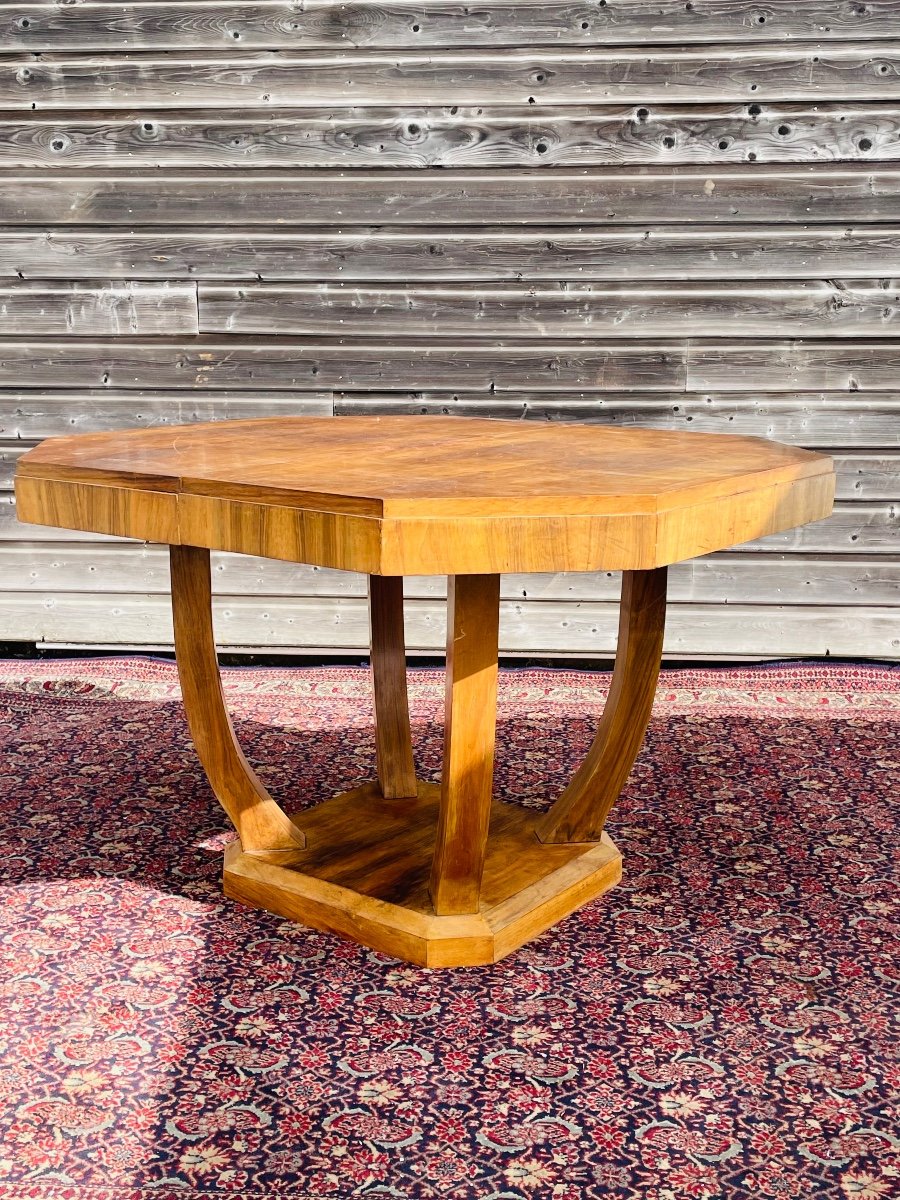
x=722, y=1024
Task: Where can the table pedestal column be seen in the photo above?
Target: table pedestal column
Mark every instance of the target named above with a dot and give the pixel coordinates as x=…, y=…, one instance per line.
x=473, y=618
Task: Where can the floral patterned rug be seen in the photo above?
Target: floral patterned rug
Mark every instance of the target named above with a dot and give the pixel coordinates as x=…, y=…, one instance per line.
x=724, y=1023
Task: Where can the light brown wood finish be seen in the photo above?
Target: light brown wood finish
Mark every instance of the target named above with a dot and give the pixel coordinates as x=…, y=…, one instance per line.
x=580, y=812
x=438, y=876
x=443, y=495
x=260, y=823
x=542, y=144
x=368, y=880
x=469, y=728
x=860, y=475
x=393, y=741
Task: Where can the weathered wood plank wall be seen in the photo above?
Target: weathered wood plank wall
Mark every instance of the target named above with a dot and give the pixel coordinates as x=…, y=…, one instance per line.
x=630, y=211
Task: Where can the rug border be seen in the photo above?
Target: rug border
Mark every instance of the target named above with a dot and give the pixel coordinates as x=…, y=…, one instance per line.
x=813, y=688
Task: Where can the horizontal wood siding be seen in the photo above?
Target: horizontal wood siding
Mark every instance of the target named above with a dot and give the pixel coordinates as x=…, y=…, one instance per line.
x=544, y=254
x=342, y=626
x=664, y=196
x=114, y=567
x=836, y=308
x=109, y=309
x=176, y=80
x=462, y=136
x=328, y=24
x=641, y=213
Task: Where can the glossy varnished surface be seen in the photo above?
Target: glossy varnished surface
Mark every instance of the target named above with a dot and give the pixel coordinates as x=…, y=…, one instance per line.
x=369, y=879
x=388, y=856
x=470, y=705
x=387, y=648
x=426, y=466
x=428, y=495
x=439, y=875
x=260, y=823
x=581, y=811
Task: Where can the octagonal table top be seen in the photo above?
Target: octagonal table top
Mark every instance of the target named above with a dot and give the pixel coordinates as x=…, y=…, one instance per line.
x=428, y=494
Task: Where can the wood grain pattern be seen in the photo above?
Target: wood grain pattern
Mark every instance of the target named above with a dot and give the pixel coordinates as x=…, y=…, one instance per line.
x=581, y=811
x=852, y=528
x=428, y=467
x=369, y=882
x=852, y=420
x=784, y=366
x=393, y=741
x=125, y=511
x=460, y=136
x=836, y=308
x=863, y=71
x=262, y=364
x=556, y=255
x=330, y=25
x=443, y=495
x=661, y=215
x=449, y=472
x=863, y=476
x=108, y=309
x=260, y=823
x=564, y=366
x=859, y=476
x=35, y=414
x=471, y=700
x=861, y=193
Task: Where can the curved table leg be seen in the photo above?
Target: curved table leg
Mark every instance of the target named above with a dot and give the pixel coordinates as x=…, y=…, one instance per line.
x=581, y=811
x=393, y=741
x=473, y=617
x=262, y=826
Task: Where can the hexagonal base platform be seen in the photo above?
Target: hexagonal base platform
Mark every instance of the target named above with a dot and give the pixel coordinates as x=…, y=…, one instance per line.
x=365, y=872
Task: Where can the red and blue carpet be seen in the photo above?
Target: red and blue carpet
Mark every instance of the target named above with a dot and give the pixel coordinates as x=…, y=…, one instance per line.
x=722, y=1024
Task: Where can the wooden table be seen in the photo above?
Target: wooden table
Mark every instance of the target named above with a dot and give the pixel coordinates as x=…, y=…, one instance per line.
x=439, y=875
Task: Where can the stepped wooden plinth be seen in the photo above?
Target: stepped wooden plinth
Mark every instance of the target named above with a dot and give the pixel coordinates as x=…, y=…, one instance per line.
x=439, y=875
x=365, y=874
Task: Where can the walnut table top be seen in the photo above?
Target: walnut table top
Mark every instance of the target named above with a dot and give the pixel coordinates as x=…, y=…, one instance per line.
x=429, y=495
